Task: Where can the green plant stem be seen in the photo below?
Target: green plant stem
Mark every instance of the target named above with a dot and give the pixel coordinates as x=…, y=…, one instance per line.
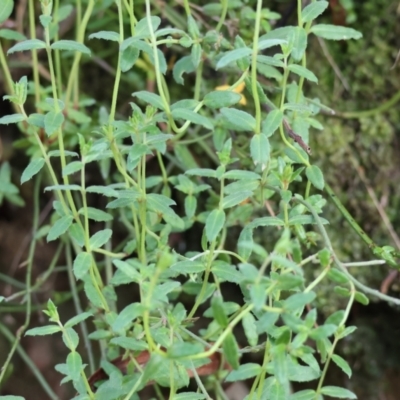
x=80, y=39
x=35, y=371
x=254, y=90
x=28, y=276
x=118, y=72
x=78, y=308
x=35, y=61
x=336, y=340
x=224, y=4
x=373, y=111
x=367, y=240
x=199, y=79
x=328, y=244
x=6, y=71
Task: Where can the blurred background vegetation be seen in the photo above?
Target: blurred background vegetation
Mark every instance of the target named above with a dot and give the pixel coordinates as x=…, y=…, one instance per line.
x=359, y=153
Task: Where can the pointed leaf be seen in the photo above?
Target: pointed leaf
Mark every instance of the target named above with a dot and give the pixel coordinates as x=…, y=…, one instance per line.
x=6, y=7
x=338, y=392
x=313, y=10
x=232, y=56
x=100, y=238
x=315, y=176
x=105, y=35
x=214, y=224
x=334, y=32
x=32, y=169
x=70, y=45
x=59, y=227
x=151, y=98
x=238, y=119
x=82, y=264
x=221, y=98
x=260, y=149
x=189, y=115
x=12, y=119
x=31, y=44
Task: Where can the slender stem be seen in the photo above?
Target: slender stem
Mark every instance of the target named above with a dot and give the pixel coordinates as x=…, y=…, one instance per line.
x=36, y=372
x=254, y=88
x=35, y=62
x=224, y=4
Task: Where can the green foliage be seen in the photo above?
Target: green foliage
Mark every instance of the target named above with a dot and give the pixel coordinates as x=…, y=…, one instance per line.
x=184, y=161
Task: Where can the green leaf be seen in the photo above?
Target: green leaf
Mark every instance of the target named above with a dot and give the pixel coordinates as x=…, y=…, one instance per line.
x=245, y=243
x=303, y=72
x=338, y=392
x=217, y=307
x=182, y=349
x=30, y=44
x=32, y=169
x=260, y=149
x=62, y=187
x=43, y=330
x=315, y=176
x=335, y=32
x=77, y=319
x=82, y=264
x=279, y=363
x=307, y=394
x=53, y=121
x=195, y=54
x=188, y=267
x=150, y=98
x=267, y=43
x=142, y=29
x=59, y=227
x=298, y=42
x=74, y=364
x=96, y=215
x=231, y=351
x=258, y=296
x=361, y=298
x=206, y=172
x=10, y=396
x=342, y=364
x=128, y=58
x=272, y=122
x=6, y=7
x=238, y=119
x=221, y=98
x=104, y=190
x=337, y=276
x=129, y=343
x=348, y=331
x=250, y=329
x=105, y=35
x=233, y=55
x=245, y=371
x=189, y=396
x=189, y=115
x=183, y=65
x=214, y=224
x=128, y=268
x=12, y=119
x=70, y=45
x=313, y=10
x=298, y=300
x=235, y=198
x=9, y=34
x=126, y=316
x=100, y=238
x=241, y=174
x=72, y=167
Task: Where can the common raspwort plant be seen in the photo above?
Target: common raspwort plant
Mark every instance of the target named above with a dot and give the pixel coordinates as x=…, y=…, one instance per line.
x=200, y=184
